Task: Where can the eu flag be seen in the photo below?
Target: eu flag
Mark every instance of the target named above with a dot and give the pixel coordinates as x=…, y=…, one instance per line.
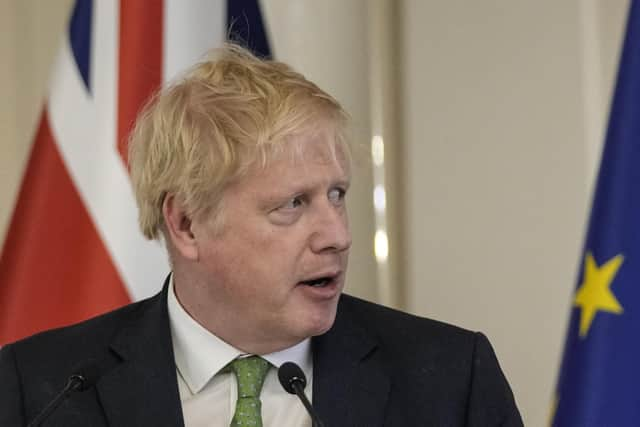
x=599, y=383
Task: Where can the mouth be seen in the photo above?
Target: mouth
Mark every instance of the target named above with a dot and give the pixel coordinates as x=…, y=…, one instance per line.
x=321, y=281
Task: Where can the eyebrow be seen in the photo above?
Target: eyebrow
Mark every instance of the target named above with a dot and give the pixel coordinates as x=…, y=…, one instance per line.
x=288, y=191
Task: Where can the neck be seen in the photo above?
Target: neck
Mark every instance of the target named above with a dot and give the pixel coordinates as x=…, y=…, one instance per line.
x=217, y=320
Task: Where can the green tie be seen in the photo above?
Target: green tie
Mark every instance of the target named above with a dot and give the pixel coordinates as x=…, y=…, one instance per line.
x=250, y=374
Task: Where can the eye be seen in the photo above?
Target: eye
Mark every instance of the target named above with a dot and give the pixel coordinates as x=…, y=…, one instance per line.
x=337, y=195
x=292, y=203
x=288, y=212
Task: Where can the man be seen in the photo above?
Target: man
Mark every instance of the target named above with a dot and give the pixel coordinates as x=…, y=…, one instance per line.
x=242, y=168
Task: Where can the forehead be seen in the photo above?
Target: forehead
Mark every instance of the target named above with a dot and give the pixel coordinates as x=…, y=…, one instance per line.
x=316, y=147
x=302, y=163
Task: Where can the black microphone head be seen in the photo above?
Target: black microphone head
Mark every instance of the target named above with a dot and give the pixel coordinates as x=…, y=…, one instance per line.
x=87, y=374
x=289, y=373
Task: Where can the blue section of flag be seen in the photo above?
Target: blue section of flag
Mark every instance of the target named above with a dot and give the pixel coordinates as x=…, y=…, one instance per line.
x=246, y=26
x=599, y=383
x=80, y=38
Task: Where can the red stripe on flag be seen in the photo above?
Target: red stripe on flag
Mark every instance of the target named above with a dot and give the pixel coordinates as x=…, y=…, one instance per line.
x=140, y=66
x=54, y=269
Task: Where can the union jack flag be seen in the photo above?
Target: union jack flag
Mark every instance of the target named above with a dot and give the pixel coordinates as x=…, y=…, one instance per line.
x=73, y=249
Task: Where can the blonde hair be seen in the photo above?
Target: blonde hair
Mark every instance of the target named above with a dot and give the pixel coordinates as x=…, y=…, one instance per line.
x=202, y=132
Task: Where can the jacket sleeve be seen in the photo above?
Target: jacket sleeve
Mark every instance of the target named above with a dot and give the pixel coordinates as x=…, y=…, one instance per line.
x=11, y=406
x=491, y=402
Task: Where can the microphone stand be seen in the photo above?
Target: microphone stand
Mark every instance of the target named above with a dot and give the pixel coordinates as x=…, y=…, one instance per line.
x=73, y=384
x=299, y=389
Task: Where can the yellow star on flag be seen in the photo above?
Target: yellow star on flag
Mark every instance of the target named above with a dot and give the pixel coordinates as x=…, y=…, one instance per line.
x=594, y=293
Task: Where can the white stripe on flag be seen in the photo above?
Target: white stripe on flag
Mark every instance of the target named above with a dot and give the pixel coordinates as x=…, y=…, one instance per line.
x=190, y=32
x=87, y=141
x=87, y=138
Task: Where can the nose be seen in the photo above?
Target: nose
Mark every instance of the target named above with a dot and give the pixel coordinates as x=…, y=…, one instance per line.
x=331, y=231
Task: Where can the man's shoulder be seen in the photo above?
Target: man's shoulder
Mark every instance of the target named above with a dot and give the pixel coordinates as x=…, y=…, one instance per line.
x=389, y=321
x=80, y=340
x=454, y=369
x=407, y=337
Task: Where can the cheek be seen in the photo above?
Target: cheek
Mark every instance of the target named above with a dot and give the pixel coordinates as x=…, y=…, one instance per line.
x=256, y=258
x=271, y=245
x=255, y=263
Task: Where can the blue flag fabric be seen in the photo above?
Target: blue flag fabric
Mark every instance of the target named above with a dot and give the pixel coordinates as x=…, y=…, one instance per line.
x=599, y=382
x=246, y=26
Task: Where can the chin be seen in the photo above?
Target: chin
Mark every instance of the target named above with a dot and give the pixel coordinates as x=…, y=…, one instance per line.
x=320, y=322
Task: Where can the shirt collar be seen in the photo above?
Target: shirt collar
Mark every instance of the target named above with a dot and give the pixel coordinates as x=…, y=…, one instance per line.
x=199, y=354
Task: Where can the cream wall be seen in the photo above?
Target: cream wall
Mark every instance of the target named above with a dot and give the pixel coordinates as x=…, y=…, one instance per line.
x=504, y=104
x=501, y=108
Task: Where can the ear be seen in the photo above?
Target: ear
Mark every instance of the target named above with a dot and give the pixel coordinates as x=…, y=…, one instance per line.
x=178, y=227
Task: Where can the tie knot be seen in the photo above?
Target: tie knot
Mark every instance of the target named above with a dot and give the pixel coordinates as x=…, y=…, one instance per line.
x=250, y=373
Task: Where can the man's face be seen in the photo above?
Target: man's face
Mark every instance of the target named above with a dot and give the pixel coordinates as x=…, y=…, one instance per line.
x=276, y=269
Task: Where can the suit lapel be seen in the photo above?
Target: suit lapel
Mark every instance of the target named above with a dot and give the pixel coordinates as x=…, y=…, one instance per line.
x=142, y=388
x=350, y=385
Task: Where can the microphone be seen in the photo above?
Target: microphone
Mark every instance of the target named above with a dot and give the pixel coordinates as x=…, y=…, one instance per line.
x=294, y=381
x=82, y=379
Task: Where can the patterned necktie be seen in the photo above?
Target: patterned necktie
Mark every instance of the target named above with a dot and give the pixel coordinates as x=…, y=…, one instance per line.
x=250, y=374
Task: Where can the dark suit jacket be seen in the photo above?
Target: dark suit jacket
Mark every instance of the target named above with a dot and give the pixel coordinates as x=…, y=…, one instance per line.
x=375, y=367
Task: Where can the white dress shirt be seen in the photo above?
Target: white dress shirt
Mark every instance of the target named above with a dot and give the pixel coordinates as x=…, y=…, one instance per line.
x=208, y=397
